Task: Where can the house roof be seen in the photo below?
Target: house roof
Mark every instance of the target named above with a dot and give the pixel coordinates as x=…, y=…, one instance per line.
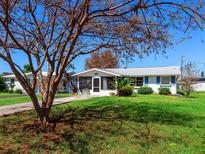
x=149, y=71
x=30, y=73
x=96, y=69
x=13, y=76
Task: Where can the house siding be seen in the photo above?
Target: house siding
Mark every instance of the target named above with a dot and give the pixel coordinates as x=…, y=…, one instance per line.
x=155, y=83
x=151, y=81
x=17, y=84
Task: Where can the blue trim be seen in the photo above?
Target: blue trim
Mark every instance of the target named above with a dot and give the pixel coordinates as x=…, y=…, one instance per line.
x=200, y=79
x=158, y=79
x=173, y=79
x=146, y=80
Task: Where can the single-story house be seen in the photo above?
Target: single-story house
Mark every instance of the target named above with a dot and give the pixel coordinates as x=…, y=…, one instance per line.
x=200, y=84
x=10, y=79
x=100, y=81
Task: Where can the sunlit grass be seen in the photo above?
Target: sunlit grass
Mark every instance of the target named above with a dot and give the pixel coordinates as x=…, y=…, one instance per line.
x=111, y=125
x=22, y=99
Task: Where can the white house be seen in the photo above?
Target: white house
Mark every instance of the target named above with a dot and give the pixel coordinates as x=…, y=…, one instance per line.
x=64, y=85
x=100, y=81
x=200, y=84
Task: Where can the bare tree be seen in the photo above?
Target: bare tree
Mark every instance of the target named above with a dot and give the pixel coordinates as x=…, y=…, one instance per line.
x=55, y=32
x=188, y=78
x=106, y=59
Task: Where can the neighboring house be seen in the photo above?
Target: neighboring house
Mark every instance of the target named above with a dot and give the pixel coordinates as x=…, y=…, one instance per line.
x=199, y=84
x=100, y=81
x=64, y=85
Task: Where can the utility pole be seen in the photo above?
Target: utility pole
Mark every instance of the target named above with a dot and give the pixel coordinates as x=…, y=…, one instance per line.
x=202, y=73
x=182, y=65
x=126, y=62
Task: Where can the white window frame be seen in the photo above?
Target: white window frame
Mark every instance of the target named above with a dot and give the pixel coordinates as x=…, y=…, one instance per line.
x=165, y=84
x=154, y=79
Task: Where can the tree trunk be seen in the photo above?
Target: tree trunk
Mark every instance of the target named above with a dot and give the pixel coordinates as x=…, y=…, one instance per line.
x=37, y=106
x=45, y=114
x=46, y=108
x=42, y=110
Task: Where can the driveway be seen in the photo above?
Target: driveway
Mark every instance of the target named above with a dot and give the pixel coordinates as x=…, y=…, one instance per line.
x=16, y=108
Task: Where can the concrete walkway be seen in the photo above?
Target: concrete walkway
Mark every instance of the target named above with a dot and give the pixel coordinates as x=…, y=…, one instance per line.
x=16, y=108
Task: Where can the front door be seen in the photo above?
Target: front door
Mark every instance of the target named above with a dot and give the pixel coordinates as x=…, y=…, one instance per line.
x=96, y=85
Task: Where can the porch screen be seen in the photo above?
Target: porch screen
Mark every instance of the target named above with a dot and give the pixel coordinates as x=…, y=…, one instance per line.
x=85, y=83
x=107, y=83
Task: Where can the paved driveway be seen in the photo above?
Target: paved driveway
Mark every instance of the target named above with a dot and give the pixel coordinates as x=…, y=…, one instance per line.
x=16, y=108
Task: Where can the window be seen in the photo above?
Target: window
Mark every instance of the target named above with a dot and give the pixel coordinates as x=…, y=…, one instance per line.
x=133, y=81
x=152, y=80
x=12, y=81
x=165, y=80
x=139, y=81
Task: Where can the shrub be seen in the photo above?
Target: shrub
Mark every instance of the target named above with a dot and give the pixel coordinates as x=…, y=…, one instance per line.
x=145, y=90
x=164, y=91
x=123, y=82
x=125, y=91
x=112, y=93
x=10, y=91
x=75, y=90
x=5, y=91
x=19, y=91
x=181, y=92
x=2, y=84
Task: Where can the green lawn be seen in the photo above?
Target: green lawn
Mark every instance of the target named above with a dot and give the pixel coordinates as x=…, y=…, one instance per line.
x=8, y=94
x=150, y=124
x=22, y=99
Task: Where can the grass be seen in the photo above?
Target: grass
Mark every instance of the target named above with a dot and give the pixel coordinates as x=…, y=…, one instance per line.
x=21, y=99
x=112, y=125
x=9, y=94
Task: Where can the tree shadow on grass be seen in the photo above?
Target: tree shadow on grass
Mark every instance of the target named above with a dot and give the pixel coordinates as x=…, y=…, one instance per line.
x=79, y=142
x=120, y=115
x=138, y=113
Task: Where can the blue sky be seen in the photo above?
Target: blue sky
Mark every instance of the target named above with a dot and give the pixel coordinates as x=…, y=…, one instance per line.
x=192, y=49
